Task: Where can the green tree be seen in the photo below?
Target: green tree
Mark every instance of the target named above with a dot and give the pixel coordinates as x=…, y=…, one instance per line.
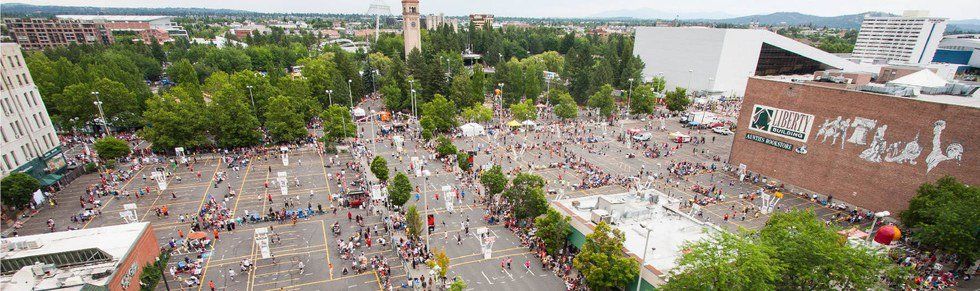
x=283, y=122
x=658, y=84
x=233, y=121
x=944, y=215
x=110, y=148
x=379, y=167
x=18, y=188
x=553, y=228
x=182, y=72
x=394, y=100
x=458, y=285
x=602, y=261
x=478, y=82
x=441, y=112
x=440, y=259
x=337, y=123
x=566, y=108
x=677, y=100
x=603, y=101
x=120, y=105
x=399, y=190
x=493, y=180
x=478, y=113
x=526, y=194
x=524, y=110
x=815, y=258
x=175, y=119
x=445, y=147
x=726, y=262
x=460, y=89
x=463, y=159
x=413, y=220
x=643, y=100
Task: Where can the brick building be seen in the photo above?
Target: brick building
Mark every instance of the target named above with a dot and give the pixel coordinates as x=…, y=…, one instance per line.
x=103, y=258
x=40, y=33
x=868, y=149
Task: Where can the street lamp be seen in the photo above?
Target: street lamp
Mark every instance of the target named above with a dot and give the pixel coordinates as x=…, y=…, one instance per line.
x=351, y=95
x=646, y=242
x=98, y=104
x=329, y=96
x=256, y=110
x=690, y=80
x=163, y=274
x=878, y=215
x=629, y=98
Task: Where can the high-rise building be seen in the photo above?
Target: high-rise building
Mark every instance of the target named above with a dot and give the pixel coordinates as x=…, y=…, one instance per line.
x=144, y=27
x=410, y=27
x=29, y=141
x=40, y=33
x=481, y=20
x=434, y=21
x=911, y=38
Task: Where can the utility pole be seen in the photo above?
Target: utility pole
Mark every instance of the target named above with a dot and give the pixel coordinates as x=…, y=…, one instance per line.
x=351, y=95
x=256, y=110
x=98, y=104
x=629, y=98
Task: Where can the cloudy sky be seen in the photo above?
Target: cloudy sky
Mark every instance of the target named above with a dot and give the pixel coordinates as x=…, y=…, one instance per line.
x=954, y=9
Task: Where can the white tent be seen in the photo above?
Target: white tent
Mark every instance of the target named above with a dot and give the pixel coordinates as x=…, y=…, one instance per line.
x=472, y=129
x=923, y=78
x=359, y=112
x=529, y=123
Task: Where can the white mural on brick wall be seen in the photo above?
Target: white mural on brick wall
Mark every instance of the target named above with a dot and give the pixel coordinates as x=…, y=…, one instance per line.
x=880, y=150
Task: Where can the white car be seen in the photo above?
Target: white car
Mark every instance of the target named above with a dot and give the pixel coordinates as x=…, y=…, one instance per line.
x=722, y=130
x=643, y=136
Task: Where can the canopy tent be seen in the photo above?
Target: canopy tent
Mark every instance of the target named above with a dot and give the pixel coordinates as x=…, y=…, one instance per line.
x=472, y=129
x=677, y=136
x=513, y=123
x=923, y=78
x=359, y=112
x=529, y=123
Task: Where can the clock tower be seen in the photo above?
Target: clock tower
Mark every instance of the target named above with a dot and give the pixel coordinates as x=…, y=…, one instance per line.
x=410, y=26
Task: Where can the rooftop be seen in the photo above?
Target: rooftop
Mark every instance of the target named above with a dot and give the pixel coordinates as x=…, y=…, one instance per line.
x=72, y=259
x=972, y=100
x=670, y=228
x=140, y=18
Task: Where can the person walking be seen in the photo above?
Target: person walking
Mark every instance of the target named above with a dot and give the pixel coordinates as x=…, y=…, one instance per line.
x=211, y=284
x=300, y=266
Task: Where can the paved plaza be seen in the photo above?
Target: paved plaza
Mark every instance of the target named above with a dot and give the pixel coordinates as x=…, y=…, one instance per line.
x=311, y=243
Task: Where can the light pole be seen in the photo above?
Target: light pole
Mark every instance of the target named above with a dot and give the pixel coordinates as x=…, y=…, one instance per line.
x=629, y=98
x=351, y=95
x=646, y=242
x=690, y=80
x=162, y=273
x=374, y=80
x=98, y=104
x=329, y=96
x=878, y=215
x=256, y=110
x=501, y=97
x=411, y=84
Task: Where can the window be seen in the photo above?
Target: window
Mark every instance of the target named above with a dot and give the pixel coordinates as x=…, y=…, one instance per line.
x=4, y=134
x=6, y=162
x=16, y=161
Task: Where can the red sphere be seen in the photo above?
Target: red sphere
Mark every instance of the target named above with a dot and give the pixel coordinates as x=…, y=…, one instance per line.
x=886, y=234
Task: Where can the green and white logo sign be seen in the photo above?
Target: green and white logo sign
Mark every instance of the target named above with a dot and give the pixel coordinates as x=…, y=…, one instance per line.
x=780, y=122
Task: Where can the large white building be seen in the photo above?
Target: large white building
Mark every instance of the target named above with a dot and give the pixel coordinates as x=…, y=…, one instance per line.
x=721, y=60
x=160, y=22
x=28, y=135
x=911, y=38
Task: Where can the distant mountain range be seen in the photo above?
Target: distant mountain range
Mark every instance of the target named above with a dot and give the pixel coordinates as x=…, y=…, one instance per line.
x=650, y=13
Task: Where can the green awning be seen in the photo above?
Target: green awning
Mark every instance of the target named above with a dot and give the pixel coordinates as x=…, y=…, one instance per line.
x=50, y=179
x=576, y=238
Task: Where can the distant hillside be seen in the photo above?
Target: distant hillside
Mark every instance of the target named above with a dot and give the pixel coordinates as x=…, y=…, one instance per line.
x=851, y=21
x=964, y=26
x=27, y=10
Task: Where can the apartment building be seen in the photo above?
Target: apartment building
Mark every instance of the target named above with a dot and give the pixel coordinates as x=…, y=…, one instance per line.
x=482, y=20
x=41, y=33
x=30, y=143
x=911, y=38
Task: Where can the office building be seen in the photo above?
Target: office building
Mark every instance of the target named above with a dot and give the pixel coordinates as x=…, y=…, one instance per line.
x=910, y=38
x=871, y=146
x=961, y=49
x=143, y=27
x=481, y=20
x=103, y=258
x=720, y=61
x=435, y=21
x=411, y=25
x=41, y=33
x=30, y=143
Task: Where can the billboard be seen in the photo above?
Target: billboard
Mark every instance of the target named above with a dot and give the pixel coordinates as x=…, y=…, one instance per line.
x=781, y=122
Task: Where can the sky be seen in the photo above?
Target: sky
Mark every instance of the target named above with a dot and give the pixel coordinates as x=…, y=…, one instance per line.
x=953, y=9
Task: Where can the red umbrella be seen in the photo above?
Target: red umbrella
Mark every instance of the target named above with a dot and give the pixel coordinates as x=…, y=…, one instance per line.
x=197, y=235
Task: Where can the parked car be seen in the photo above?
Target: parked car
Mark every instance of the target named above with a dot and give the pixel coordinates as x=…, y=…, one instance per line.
x=643, y=136
x=722, y=130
